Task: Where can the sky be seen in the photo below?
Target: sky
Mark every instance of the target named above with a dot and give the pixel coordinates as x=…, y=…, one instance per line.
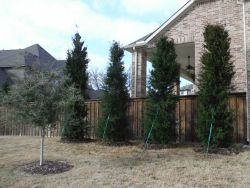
x=53, y=23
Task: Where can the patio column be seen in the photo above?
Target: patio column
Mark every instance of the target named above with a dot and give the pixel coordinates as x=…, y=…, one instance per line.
x=139, y=69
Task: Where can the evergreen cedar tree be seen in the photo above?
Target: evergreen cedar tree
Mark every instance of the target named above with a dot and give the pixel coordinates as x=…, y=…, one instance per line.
x=214, y=82
x=77, y=64
x=114, y=125
x=75, y=125
x=161, y=100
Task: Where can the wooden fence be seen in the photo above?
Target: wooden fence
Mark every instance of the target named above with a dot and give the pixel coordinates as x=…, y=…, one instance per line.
x=186, y=113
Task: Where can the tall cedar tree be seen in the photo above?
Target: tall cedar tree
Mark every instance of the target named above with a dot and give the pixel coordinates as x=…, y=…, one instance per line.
x=75, y=124
x=113, y=124
x=217, y=71
x=161, y=100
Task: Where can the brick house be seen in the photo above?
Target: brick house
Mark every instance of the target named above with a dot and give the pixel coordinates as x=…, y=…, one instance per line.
x=186, y=28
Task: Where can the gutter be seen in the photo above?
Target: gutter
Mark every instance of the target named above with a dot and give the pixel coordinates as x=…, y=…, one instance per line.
x=136, y=61
x=246, y=67
x=13, y=67
x=131, y=47
x=245, y=49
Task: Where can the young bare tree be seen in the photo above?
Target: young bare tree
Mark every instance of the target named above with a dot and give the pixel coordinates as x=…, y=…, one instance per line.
x=38, y=99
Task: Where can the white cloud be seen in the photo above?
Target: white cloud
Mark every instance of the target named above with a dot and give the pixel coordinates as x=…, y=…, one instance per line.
x=33, y=20
x=140, y=7
x=52, y=24
x=97, y=61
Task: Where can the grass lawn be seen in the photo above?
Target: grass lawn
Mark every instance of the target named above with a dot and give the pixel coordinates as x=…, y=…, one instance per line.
x=96, y=165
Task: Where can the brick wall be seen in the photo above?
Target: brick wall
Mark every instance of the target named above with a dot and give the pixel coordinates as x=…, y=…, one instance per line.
x=190, y=28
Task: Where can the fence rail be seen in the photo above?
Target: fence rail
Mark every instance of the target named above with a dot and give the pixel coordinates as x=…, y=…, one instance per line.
x=186, y=114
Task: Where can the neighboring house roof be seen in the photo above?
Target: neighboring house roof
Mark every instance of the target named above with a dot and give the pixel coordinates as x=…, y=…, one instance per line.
x=32, y=56
x=148, y=38
x=187, y=87
x=94, y=94
x=36, y=57
x=37, y=50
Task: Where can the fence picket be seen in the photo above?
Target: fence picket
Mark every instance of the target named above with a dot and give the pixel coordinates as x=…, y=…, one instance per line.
x=186, y=114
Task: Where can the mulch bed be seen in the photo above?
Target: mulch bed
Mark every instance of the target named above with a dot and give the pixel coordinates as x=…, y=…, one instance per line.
x=233, y=150
x=154, y=146
x=77, y=141
x=118, y=144
x=49, y=167
x=159, y=146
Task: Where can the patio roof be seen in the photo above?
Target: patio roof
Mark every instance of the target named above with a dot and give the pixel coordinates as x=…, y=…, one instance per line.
x=151, y=36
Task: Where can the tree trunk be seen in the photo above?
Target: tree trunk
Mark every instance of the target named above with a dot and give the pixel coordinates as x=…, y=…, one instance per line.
x=42, y=146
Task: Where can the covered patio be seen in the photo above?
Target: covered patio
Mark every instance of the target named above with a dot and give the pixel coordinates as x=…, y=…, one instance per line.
x=186, y=29
x=141, y=55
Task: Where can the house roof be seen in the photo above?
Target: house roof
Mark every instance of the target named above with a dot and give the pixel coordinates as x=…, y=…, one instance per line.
x=94, y=94
x=187, y=87
x=151, y=36
x=32, y=56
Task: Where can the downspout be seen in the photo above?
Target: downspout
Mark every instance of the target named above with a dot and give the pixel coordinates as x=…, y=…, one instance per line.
x=135, y=61
x=246, y=66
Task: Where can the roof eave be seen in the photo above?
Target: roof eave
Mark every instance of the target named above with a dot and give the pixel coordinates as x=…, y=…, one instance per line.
x=14, y=66
x=170, y=20
x=131, y=47
x=162, y=27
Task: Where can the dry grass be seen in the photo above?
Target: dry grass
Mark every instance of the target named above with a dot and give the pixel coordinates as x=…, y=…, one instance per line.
x=105, y=166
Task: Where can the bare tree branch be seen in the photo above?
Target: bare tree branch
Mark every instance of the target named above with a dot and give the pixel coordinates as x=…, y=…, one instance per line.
x=96, y=79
